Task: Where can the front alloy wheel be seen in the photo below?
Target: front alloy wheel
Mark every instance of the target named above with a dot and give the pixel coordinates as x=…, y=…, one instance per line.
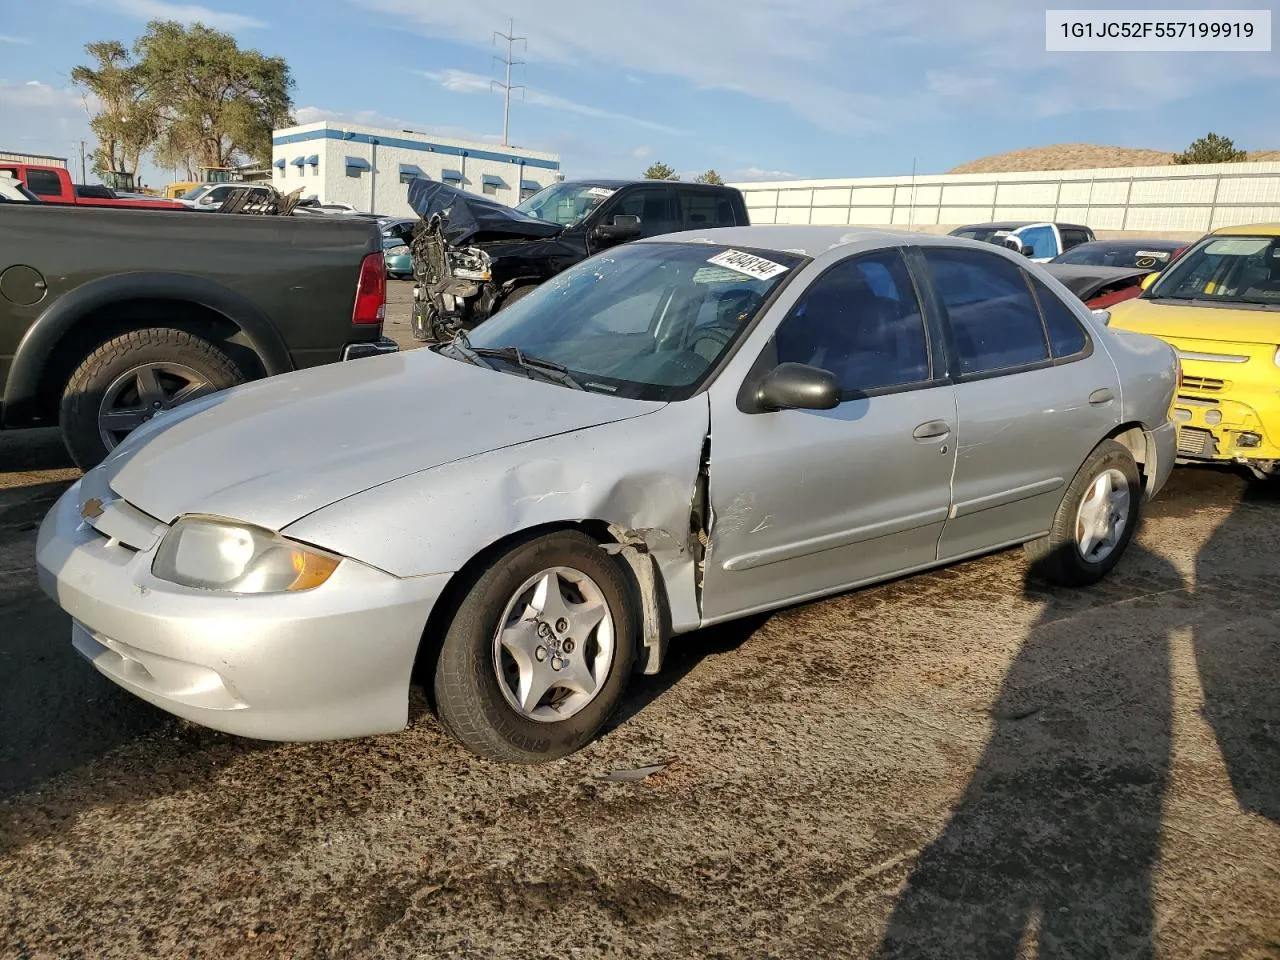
x=539, y=650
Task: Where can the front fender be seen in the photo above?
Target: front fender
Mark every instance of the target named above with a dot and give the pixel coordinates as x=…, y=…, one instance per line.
x=638, y=475
x=42, y=337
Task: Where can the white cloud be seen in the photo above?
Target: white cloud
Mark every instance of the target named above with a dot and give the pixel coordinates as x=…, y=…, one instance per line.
x=847, y=66
x=460, y=81
x=4, y=38
x=642, y=152
x=186, y=13
x=756, y=173
x=43, y=119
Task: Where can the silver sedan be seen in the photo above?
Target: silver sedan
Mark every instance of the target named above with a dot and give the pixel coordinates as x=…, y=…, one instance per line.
x=673, y=433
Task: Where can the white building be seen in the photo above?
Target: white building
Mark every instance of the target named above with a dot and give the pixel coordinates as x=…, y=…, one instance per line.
x=371, y=168
x=1187, y=199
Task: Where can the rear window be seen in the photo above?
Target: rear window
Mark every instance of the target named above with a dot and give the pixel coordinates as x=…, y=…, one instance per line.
x=43, y=183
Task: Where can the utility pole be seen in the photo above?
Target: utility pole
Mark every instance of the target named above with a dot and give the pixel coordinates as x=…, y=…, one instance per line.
x=82, y=167
x=506, y=86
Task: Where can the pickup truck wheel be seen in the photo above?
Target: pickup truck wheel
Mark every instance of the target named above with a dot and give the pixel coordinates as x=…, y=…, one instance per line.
x=516, y=294
x=539, y=651
x=1095, y=521
x=129, y=379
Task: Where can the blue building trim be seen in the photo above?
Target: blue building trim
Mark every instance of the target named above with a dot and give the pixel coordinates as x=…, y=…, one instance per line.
x=491, y=180
x=423, y=145
x=357, y=163
x=313, y=160
x=451, y=176
x=299, y=162
x=530, y=185
x=279, y=164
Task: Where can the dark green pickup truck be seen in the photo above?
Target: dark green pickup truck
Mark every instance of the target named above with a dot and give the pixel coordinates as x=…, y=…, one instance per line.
x=107, y=316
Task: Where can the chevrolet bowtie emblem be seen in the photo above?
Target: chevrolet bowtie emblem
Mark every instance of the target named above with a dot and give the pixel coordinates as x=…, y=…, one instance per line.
x=92, y=508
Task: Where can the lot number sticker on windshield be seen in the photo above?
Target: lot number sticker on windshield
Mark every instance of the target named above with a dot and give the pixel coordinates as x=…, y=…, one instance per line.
x=600, y=192
x=748, y=263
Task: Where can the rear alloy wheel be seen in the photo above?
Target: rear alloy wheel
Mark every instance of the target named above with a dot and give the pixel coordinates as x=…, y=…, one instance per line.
x=539, y=651
x=131, y=378
x=1095, y=521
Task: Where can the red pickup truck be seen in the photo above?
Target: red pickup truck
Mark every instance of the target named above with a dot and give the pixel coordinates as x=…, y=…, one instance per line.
x=53, y=185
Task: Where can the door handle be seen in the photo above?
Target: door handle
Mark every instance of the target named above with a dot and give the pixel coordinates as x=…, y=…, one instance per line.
x=932, y=430
x=1101, y=395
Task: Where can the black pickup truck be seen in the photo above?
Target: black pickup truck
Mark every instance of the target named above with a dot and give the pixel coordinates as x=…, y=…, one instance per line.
x=107, y=316
x=472, y=256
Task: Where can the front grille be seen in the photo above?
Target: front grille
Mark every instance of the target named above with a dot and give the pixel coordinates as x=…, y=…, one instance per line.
x=1203, y=384
x=1196, y=442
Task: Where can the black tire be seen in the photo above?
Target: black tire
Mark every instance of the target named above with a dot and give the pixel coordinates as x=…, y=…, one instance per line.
x=469, y=701
x=516, y=294
x=1057, y=557
x=84, y=393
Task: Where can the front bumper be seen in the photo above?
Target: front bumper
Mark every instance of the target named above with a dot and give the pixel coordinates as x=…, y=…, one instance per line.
x=1215, y=426
x=327, y=663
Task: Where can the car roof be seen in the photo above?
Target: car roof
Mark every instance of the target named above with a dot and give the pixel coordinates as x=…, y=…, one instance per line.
x=1263, y=229
x=811, y=241
x=1151, y=243
x=1015, y=224
x=616, y=184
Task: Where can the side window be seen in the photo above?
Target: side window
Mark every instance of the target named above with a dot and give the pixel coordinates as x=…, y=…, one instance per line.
x=861, y=320
x=1066, y=336
x=1040, y=239
x=43, y=183
x=651, y=205
x=994, y=321
x=704, y=208
x=1073, y=238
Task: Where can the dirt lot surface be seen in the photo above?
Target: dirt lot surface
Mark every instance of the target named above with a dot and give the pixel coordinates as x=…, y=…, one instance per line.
x=959, y=765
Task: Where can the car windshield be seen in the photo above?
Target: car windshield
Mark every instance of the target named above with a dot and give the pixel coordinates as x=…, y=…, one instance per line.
x=1103, y=254
x=565, y=203
x=1229, y=269
x=644, y=320
x=195, y=193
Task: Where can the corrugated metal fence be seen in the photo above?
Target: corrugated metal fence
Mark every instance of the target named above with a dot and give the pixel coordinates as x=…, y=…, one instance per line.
x=1192, y=198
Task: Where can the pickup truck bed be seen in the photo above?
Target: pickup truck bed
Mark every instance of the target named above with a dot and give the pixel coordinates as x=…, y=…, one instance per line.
x=107, y=314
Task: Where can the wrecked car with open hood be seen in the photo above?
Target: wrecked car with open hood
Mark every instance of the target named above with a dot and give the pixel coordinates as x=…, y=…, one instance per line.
x=473, y=255
x=674, y=433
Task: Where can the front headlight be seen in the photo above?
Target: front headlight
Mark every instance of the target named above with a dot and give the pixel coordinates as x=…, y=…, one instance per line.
x=213, y=554
x=1276, y=358
x=470, y=263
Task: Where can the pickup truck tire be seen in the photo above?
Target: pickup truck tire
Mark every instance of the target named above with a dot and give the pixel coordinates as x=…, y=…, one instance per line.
x=513, y=641
x=130, y=377
x=516, y=294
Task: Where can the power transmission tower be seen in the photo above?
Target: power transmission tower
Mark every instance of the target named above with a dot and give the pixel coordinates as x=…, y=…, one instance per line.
x=505, y=86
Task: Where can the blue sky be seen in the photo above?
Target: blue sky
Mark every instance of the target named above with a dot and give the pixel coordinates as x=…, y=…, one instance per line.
x=758, y=89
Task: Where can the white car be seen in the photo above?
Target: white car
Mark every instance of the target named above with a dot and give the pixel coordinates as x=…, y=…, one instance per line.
x=676, y=432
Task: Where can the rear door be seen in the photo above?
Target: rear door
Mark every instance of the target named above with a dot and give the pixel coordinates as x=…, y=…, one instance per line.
x=703, y=209
x=1034, y=395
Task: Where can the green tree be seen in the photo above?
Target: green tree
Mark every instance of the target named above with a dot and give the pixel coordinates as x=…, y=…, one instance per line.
x=126, y=123
x=709, y=177
x=660, y=171
x=217, y=103
x=1211, y=149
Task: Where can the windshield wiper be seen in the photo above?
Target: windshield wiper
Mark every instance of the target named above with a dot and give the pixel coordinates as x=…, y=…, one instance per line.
x=547, y=369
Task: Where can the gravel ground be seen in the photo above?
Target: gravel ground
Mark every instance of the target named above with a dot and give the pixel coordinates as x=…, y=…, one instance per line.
x=962, y=764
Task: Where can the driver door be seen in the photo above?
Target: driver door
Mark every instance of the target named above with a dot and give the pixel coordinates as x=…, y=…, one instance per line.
x=805, y=502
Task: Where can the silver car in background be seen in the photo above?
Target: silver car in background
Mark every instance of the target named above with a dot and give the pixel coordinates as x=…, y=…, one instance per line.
x=670, y=434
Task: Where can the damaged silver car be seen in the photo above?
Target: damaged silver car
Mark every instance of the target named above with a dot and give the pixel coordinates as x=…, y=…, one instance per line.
x=677, y=432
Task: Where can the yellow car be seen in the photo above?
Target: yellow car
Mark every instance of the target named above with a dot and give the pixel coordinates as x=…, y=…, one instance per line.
x=1218, y=305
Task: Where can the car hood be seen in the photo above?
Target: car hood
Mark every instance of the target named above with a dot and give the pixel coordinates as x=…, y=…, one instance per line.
x=467, y=218
x=273, y=451
x=1085, y=280
x=1176, y=321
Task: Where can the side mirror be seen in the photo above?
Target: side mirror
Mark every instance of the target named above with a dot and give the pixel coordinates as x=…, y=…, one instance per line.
x=798, y=386
x=1102, y=316
x=623, y=228
x=1015, y=244
x=1149, y=279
